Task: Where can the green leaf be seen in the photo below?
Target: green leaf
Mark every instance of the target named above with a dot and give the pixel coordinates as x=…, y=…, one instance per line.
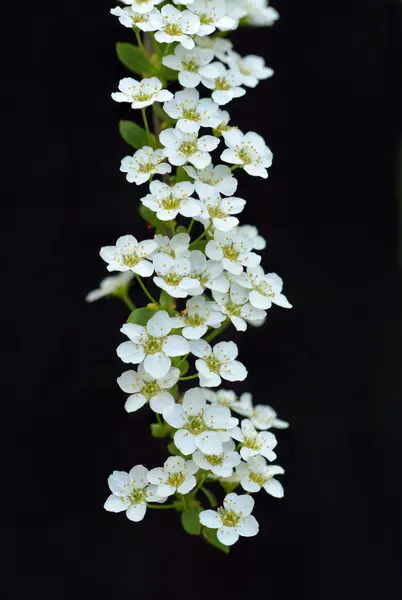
x=181, y=229
x=191, y=521
x=210, y=536
x=184, y=367
x=150, y=217
x=174, y=390
x=167, y=73
x=229, y=486
x=161, y=114
x=134, y=59
x=181, y=175
x=199, y=245
x=135, y=135
x=160, y=430
x=167, y=302
x=141, y=316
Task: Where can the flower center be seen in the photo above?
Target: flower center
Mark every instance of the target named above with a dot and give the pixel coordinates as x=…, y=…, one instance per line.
x=138, y=18
x=233, y=309
x=191, y=114
x=265, y=289
x=149, y=389
x=244, y=71
x=214, y=459
x=194, y=320
x=215, y=212
x=221, y=84
x=171, y=203
x=136, y=496
x=229, y=518
x=146, y=167
x=252, y=443
x=257, y=478
x=196, y=425
x=153, y=345
x=172, y=29
x=172, y=279
x=141, y=97
x=175, y=479
x=213, y=363
x=205, y=19
x=188, y=148
x=230, y=252
x=244, y=156
x=130, y=260
x=191, y=66
x=203, y=278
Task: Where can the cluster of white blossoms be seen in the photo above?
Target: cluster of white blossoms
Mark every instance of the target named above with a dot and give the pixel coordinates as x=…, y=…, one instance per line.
x=204, y=282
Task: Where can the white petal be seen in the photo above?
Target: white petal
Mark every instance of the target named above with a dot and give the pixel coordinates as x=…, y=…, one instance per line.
x=114, y=504
x=209, y=443
x=159, y=325
x=185, y=441
x=188, y=484
x=139, y=476
x=234, y=371
x=161, y=402
x=275, y=488
x=211, y=519
x=129, y=352
x=157, y=364
x=176, y=345
x=227, y=535
x=248, y=527
x=134, y=402
x=136, y=513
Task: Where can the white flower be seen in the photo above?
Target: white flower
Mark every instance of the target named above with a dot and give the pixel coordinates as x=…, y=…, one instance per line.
x=224, y=82
x=183, y=147
x=212, y=15
x=233, y=250
x=152, y=344
x=256, y=474
x=199, y=425
x=219, y=179
x=254, y=442
x=250, y=69
x=224, y=124
x=167, y=202
x=265, y=289
x=219, y=46
x=219, y=210
x=145, y=163
x=110, y=285
x=143, y=6
x=236, y=306
x=130, y=18
x=141, y=93
x=251, y=232
x=232, y=520
x=176, y=246
x=129, y=255
x=173, y=275
x=222, y=397
x=208, y=273
x=175, y=26
x=143, y=388
x=197, y=317
x=248, y=150
x=131, y=492
x=219, y=464
x=176, y=475
x=191, y=112
x=260, y=14
x=189, y=63
x=262, y=416
x=218, y=362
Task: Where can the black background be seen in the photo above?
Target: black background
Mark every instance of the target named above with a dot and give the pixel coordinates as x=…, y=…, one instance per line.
x=331, y=366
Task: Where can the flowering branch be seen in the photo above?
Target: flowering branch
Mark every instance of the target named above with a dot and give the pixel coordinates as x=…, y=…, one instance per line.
x=207, y=283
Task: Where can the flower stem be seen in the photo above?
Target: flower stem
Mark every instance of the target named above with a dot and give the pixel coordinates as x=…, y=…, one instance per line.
x=127, y=300
x=235, y=167
x=144, y=116
x=161, y=506
x=138, y=36
x=218, y=331
x=158, y=418
x=190, y=226
x=204, y=233
x=145, y=290
x=189, y=377
x=199, y=484
x=183, y=358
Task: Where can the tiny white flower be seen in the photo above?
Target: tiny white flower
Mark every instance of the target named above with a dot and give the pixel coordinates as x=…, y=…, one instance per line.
x=169, y=201
x=131, y=492
x=176, y=475
x=256, y=474
x=152, y=344
x=233, y=519
x=224, y=124
x=219, y=210
x=110, y=285
x=248, y=150
x=265, y=288
x=219, y=464
x=181, y=147
x=197, y=317
x=236, y=306
x=208, y=273
x=131, y=18
x=189, y=63
x=262, y=416
x=173, y=275
x=141, y=93
x=199, y=425
x=224, y=82
x=250, y=69
x=212, y=15
x=173, y=25
x=254, y=442
x=143, y=6
x=222, y=397
x=251, y=232
x=129, y=255
x=233, y=250
x=217, y=362
x=176, y=246
x=143, y=164
x=219, y=178
x=219, y=46
x=143, y=388
x=191, y=112
x=260, y=14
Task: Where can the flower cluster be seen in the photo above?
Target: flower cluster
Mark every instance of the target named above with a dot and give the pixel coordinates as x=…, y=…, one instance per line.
x=206, y=282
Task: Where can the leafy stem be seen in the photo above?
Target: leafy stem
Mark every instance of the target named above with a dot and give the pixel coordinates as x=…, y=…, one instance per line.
x=146, y=291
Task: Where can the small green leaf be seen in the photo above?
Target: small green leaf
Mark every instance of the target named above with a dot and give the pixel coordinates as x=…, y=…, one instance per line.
x=141, y=316
x=150, y=217
x=161, y=114
x=174, y=390
x=134, y=59
x=191, y=521
x=229, y=486
x=167, y=302
x=210, y=536
x=167, y=73
x=160, y=430
x=135, y=135
x=181, y=175
x=184, y=367
x=199, y=245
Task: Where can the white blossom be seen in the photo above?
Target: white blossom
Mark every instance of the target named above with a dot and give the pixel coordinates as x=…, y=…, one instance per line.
x=143, y=388
x=199, y=425
x=129, y=255
x=224, y=82
x=176, y=246
x=152, y=344
x=250, y=69
x=143, y=6
x=222, y=397
x=265, y=288
x=169, y=201
x=191, y=112
x=236, y=306
x=251, y=232
x=145, y=163
x=217, y=362
x=110, y=285
x=233, y=250
x=232, y=520
x=197, y=317
x=181, y=147
x=212, y=15
x=220, y=47
x=248, y=150
x=173, y=25
x=254, y=442
x=173, y=275
x=256, y=474
x=131, y=18
x=262, y=416
x=259, y=13
x=131, y=492
x=224, y=124
x=219, y=464
x=219, y=210
x=176, y=475
x=208, y=273
x=189, y=63
x=219, y=179
x=141, y=93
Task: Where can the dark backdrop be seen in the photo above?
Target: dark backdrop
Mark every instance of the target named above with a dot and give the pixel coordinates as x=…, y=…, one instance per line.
x=331, y=366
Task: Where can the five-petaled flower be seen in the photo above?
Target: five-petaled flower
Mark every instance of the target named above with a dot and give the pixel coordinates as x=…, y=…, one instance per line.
x=192, y=113
x=144, y=164
x=217, y=362
x=169, y=201
x=247, y=150
x=144, y=388
x=141, y=93
x=181, y=147
x=189, y=63
x=256, y=474
x=197, y=317
x=129, y=255
x=221, y=464
x=232, y=520
x=266, y=289
x=262, y=416
x=176, y=475
x=173, y=25
x=254, y=442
